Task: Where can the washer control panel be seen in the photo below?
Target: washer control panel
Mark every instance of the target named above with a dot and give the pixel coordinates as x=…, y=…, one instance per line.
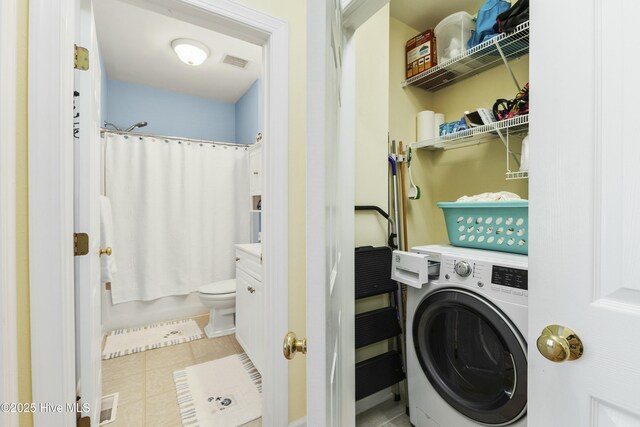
x=462, y=268
x=505, y=282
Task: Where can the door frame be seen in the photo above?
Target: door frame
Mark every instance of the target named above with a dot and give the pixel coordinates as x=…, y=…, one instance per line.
x=8, y=311
x=51, y=39
x=319, y=372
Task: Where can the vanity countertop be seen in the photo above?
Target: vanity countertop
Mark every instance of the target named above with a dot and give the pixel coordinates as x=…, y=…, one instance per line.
x=254, y=249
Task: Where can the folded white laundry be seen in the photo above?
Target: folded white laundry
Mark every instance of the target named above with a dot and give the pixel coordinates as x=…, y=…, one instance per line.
x=490, y=197
x=107, y=263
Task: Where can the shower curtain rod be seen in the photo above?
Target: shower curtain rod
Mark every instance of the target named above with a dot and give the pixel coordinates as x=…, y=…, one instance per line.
x=148, y=135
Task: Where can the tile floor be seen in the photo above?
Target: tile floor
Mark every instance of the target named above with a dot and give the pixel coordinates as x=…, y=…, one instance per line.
x=387, y=414
x=145, y=380
x=148, y=395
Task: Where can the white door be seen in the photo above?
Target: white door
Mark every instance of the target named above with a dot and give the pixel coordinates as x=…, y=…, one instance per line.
x=330, y=245
x=585, y=204
x=330, y=207
x=87, y=217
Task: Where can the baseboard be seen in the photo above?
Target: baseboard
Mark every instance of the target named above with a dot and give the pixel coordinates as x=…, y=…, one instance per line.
x=374, y=400
x=302, y=422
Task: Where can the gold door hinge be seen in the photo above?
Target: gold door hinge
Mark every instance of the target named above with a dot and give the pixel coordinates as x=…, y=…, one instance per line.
x=80, y=244
x=80, y=58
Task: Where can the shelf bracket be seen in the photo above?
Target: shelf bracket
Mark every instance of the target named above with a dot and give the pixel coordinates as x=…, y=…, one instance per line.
x=505, y=141
x=506, y=64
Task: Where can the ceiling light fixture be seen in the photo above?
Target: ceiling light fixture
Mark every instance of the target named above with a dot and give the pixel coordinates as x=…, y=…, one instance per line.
x=190, y=52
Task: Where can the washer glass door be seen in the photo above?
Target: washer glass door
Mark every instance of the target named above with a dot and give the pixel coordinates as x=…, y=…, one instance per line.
x=473, y=356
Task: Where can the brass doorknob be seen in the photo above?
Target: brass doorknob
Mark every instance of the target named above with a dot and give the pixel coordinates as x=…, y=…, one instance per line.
x=559, y=344
x=107, y=251
x=293, y=345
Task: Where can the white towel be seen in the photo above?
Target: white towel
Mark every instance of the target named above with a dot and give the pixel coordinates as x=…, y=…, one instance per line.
x=107, y=263
x=490, y=197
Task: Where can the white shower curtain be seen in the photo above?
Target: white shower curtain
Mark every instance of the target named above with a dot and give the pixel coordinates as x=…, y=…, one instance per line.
x=178, y=209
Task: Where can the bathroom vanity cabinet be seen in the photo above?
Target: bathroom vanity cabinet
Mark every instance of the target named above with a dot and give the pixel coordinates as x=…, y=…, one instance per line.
x=250, y=302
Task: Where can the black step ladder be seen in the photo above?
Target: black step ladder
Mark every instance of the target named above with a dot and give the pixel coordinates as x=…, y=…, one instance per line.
x=372, y=278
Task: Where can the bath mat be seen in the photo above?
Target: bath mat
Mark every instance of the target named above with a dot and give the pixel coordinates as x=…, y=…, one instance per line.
x=223, y=392
x=134, y=340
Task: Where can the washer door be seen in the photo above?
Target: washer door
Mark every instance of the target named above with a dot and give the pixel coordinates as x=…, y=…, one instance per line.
x=473, y=356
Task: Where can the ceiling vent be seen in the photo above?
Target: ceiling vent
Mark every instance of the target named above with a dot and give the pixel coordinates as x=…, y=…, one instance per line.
x=235, y=61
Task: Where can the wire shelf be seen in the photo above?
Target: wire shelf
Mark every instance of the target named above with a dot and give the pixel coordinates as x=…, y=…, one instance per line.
x=514, y=126
x=472, y=61
x=517, y=175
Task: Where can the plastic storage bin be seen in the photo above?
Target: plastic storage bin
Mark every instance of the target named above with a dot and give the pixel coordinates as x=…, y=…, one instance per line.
x=452, y=35
x=497, y=226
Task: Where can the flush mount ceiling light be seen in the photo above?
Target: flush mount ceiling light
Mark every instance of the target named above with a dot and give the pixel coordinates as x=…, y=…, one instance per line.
x=190, y=52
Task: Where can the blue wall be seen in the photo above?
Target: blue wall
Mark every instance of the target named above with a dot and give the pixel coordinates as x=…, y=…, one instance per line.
x=249, y=115
x=169, y=113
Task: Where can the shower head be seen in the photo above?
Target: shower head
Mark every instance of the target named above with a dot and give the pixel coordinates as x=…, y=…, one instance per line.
x=137, y=125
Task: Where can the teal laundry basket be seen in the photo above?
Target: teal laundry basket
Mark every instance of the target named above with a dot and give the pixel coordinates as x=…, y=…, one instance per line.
x=496, y=226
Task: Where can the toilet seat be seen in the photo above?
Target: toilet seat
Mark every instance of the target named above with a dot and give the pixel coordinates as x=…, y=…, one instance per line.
x=219, y=288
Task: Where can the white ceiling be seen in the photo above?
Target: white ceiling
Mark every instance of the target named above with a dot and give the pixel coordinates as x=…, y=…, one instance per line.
x=424, y=14
x=135, y=44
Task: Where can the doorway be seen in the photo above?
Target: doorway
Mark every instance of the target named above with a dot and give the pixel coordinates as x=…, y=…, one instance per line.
x=181, y=125
x=228, y=18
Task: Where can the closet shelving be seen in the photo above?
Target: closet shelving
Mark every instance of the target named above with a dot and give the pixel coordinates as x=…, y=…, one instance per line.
x=489, y=54
x=484, y=56
x=517, y=175
x=515, y=126
x=510, y=127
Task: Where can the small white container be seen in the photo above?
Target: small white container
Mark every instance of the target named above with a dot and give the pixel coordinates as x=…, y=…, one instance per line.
x=452, y=35
x=524, y=159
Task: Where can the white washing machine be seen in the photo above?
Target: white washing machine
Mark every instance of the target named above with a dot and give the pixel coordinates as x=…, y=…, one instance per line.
x=466, y=323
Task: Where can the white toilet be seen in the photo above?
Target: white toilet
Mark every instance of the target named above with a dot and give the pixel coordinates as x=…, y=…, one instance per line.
x=220, y=297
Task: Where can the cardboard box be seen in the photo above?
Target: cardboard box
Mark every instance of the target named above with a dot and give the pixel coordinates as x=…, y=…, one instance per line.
x=421, y=53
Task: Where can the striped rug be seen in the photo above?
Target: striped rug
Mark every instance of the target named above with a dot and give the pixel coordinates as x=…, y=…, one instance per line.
x=134, y=340
x=223, y=392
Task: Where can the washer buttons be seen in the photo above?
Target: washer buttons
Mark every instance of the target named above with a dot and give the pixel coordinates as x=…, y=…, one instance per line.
x=446, y=276
x=480, y=284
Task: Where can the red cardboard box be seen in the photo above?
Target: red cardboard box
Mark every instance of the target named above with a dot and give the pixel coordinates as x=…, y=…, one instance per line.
x=421, y=53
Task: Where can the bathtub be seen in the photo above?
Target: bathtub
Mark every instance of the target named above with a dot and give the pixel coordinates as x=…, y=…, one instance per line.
x=139, y=313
